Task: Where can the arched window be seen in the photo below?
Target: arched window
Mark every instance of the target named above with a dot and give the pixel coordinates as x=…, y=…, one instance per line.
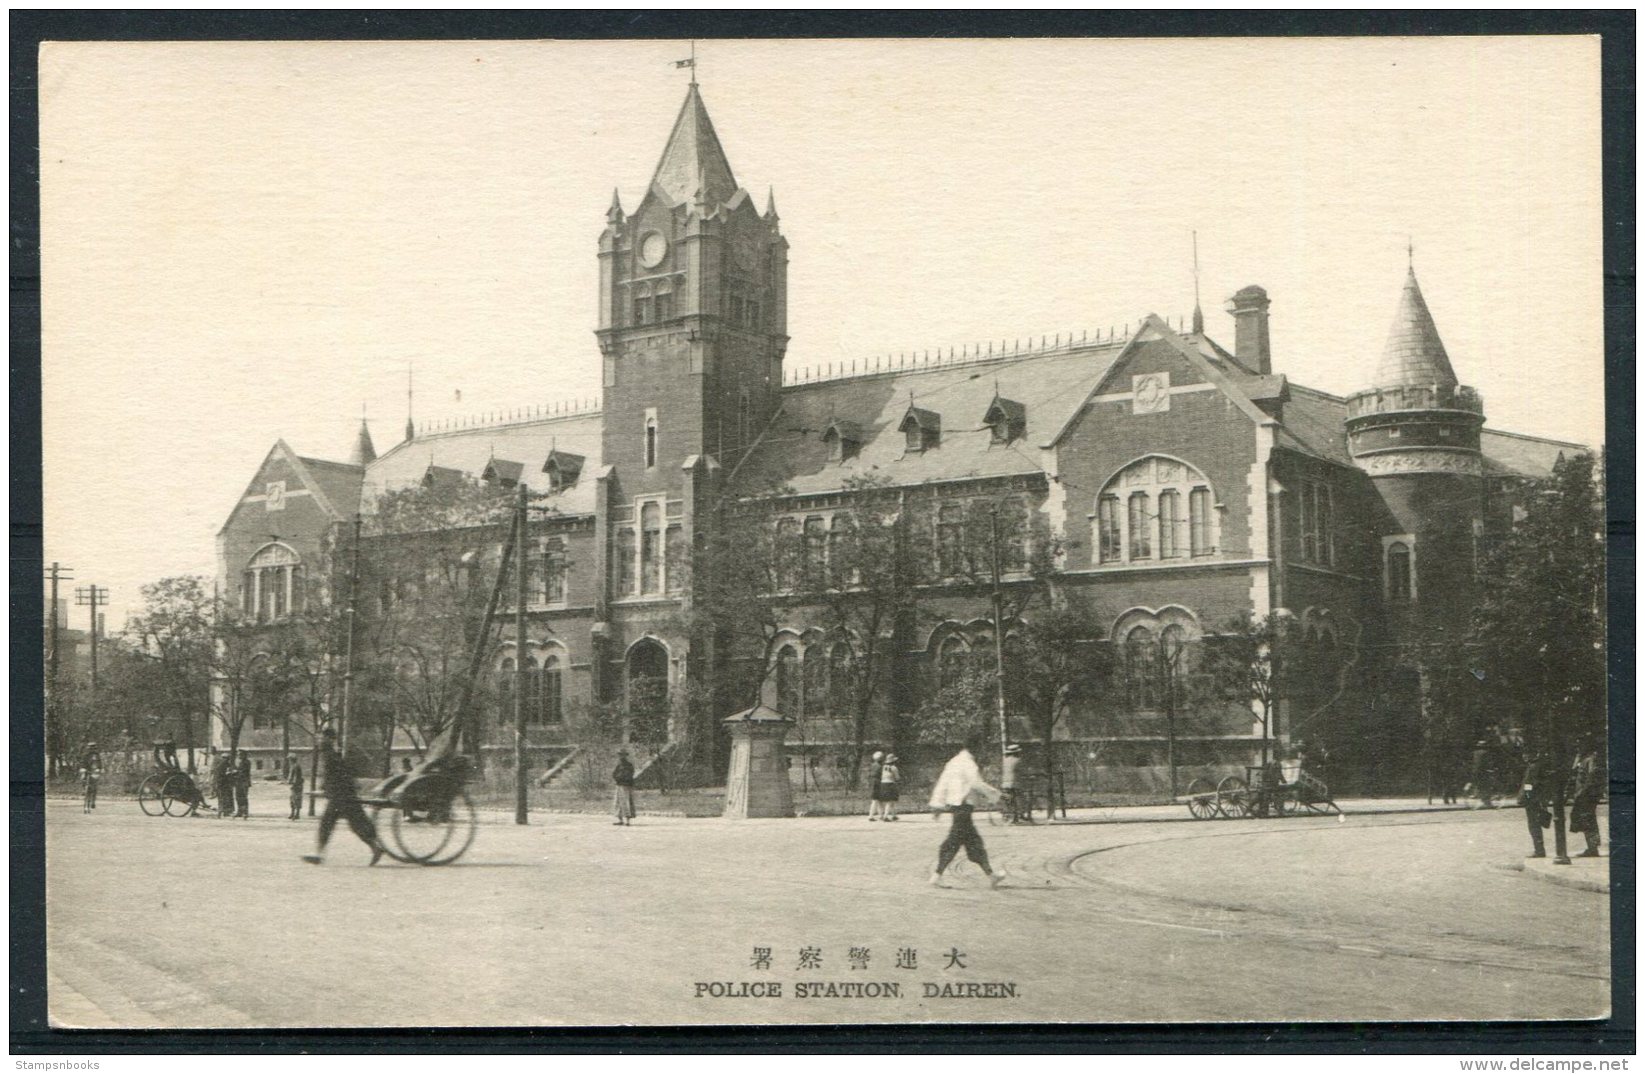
x=271, y=585
x=1400, y=589
x=1140, y=513
x=788, y=682
x=1142, y=669
x=950, y=539
x=650, y=442
x=952, y=660
x=533, y=691
x=505, y=692
x=547, y=710
x=651, y=547
x=624, y=554
x=815, y=699
x=787, y=554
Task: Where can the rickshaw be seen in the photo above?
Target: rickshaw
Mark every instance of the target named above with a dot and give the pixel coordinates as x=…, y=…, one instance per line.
x=169, y=790
x=1271, y=790
x=430, y=818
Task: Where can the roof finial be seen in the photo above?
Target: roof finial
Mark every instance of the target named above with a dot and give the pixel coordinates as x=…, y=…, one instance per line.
x=614, y=215
x=1199, y=317
x=1410, y=255
x=411, y=429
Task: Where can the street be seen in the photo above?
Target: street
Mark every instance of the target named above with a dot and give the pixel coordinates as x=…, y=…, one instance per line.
x=1398, y=915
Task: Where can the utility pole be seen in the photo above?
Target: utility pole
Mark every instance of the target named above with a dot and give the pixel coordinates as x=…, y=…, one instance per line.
x=520, y=678
x=92, y=597
x=348, y=641
x=999, y=634
x=1169, y=655
x=57, y=573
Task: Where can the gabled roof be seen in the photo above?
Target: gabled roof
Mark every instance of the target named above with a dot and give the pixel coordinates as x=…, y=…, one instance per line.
x=568, y=464
x=1012, y=413
x=335, y=486
x=928, y=420
x=793, y=453
x=693, y=160
x=502, y=470
x=440, y=476
x=1413, y=354
x=1523, y=456
x=469, y=450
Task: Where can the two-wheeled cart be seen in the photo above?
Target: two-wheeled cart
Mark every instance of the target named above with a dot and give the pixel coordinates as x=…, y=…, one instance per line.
x=1270, y=790
x=168, y=790
x=429, y=815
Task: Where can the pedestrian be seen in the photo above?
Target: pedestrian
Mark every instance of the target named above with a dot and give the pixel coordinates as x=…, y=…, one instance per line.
x=622, y=791
x=1008, y=782
x=960, y=782
x=342, y=802
x=242, y=785
x=91, y=770
x=875, y=806
x=221, y=785
x=1588, y=777
x=294, y=780
x=1534, y=795
x=1483, y=775
x=890, y=777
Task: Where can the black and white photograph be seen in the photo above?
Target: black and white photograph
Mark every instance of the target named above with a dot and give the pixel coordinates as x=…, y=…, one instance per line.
x=1006, y=530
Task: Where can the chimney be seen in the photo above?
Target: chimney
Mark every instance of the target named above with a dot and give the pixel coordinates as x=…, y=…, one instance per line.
x=1250, y=309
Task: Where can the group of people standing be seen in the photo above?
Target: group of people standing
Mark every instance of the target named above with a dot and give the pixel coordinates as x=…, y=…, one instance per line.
x=1546, y=787
x=884, y=779
x=231, y=782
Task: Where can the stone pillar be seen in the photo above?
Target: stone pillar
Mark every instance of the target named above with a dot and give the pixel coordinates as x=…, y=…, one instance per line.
x=757, y=783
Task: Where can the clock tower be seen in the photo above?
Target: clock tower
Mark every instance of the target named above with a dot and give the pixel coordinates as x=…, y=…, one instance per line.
x=693, y=314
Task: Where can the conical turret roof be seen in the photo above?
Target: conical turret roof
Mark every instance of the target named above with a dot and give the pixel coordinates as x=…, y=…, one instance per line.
x=363, y=452
x=693, y=161
x=1414, y=354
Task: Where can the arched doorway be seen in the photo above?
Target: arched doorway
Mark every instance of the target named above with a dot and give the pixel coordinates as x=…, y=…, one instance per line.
x=646, y=691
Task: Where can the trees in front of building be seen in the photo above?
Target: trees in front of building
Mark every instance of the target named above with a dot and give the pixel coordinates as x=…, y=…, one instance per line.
x=1250, y=664
x=1538, y=630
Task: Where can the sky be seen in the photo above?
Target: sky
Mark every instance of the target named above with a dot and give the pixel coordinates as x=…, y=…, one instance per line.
x=244, y=242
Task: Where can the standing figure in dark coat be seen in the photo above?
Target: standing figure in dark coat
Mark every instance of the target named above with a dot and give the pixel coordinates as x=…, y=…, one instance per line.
x=242, y=785
x=342, y=802
x=294, y=780
x=1484, y=774
x=622, y=793
x=222, y=785
x=1588, y=778
x=1534, y=795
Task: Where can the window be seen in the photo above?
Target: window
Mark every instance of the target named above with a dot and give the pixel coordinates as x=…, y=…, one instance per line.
x=788, y=681
x=1325, y=545
x=270, y=586
x=841, y=570
x=642, y=308
x=1170, y=524
x=505, y=692
x=650, y=442
x=1139, y=525
x=674, y=561
x=1108, y=529
x=651, y=547
x=1141, y=669
x=1316, y=521
x=815, y=699
x=923, y=429
x=787, y=553
x=663, y=306
x=952, y=660
x=533, y=707
x=1153, y=490
x=1013, y=536
x=1199, y=522
x=814, y=552
x=549, y=711
x=840, y=691
x=1399, y=577
x=554, y=571
x=625, y=561
x=950, y=539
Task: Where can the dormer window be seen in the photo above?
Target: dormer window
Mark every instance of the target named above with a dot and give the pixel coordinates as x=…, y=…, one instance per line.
x=844, y=440
x=922, y=428
x=502, y=474
x=1008, y=420
x=441, y=477
x=562, y=469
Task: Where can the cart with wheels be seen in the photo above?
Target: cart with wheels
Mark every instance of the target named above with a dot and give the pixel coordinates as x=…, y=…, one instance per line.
x=429, y=816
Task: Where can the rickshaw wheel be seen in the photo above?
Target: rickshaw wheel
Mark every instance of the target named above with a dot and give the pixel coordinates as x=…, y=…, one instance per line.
x=148, y=795
x=177, y=795
x=1201, y=801
x=390, y=846
x=1233, y=797
x=434, y=833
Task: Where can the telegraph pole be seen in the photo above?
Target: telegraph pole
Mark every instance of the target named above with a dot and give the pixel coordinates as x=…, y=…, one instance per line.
x=520, y=678
x=348, y=642
x=999, y=633
x=92, y=597
x=57, y=572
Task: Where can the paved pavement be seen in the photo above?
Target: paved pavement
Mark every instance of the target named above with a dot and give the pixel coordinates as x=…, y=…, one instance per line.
x=1383, y=915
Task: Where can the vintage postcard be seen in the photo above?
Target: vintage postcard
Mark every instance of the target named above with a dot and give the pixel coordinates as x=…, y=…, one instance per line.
x=1008, y=531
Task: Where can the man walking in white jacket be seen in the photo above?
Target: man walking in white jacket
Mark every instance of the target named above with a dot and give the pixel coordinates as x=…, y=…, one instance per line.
x=960, y=781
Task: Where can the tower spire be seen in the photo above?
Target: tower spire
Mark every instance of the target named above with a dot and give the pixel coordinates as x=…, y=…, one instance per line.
x=363, y=452
x=1199, y=318
x=411, y=429
x=1413, y=354
x=693, y=160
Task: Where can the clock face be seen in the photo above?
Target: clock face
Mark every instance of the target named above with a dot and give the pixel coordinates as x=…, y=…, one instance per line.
x=653, y=248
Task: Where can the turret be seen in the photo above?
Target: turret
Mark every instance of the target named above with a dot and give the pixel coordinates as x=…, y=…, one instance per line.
x=363, y=452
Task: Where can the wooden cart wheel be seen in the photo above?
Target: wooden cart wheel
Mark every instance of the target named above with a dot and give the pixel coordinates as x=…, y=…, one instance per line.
x=148, y=795
x=177, y=796
x=1202, y=799
x=462, y=821
x=1233, y=797
x=384, y=839
x=430, y=831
